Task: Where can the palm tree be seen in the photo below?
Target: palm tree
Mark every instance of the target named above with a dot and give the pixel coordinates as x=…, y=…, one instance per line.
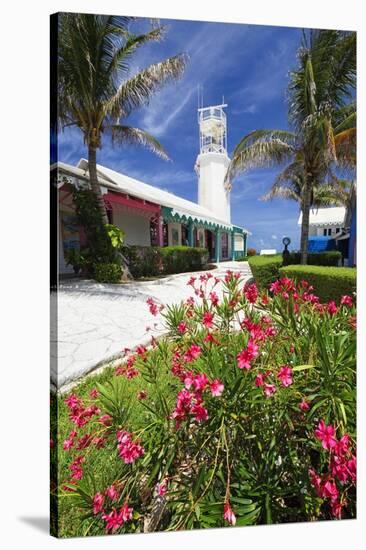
x=95, y=90
x=289, y=184
x=322, y=115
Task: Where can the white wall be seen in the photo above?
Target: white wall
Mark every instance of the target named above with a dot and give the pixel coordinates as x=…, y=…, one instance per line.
x=211, y=192
x=137, y=228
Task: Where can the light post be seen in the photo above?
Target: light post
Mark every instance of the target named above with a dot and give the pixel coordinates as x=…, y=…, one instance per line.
x=286, y=254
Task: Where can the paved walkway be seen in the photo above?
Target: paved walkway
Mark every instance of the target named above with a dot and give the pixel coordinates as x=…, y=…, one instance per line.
x=96, y=321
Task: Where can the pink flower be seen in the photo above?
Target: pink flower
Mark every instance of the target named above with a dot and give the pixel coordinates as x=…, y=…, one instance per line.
x=200, y=413
x=98, y=502
x=342, y=446
x=216, y=387
x=94, y=393
x=207, y=319
x=68, y=443
x=182, y=327
x=154, y=310
x=336, y=508
x=247, y=355
x=325, y=434
x=269, y=389
x=161, y=488
x=352, y=467
x=330, y=490
x=229, y=515
x=346, y=301
x=115, y=519
x=316, y=481
x=214, y=298
x=191, y=281
x=112, y=492
x=128, y=450
x=200, y=382
x=332, y=308
x=251, y=292
x=304, y=405
x=141, y=395
x=285, y=375
x=192, y=353
x=259, y=380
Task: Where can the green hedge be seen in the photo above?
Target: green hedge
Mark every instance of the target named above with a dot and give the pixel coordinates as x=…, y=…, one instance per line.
x=330, y=283
x=178, y=259
x=265, y=269
x=148, y=261
x=108, y=273
x=329, y=257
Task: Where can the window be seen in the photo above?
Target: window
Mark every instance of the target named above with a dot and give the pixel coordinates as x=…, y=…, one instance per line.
x=329, y=232
x=324, y=232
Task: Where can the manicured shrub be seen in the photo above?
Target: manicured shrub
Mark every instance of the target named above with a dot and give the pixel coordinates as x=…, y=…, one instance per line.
x=147, y=261
x=330, y=283
x=251, y=252
x=178, y=259
x=143, y=261
x=265, y=269
x=108, y=273
x=213, y=425
x=329, y=258
x=241, y=259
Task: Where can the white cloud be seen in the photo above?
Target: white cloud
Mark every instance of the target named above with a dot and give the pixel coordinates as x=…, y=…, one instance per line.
x=274, y=237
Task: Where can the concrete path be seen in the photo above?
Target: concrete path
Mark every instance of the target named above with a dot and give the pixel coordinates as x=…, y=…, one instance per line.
x=97, y=321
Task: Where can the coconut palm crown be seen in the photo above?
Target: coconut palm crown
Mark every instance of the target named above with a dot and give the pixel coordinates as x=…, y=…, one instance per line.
x=96, y=91
x=322, y=114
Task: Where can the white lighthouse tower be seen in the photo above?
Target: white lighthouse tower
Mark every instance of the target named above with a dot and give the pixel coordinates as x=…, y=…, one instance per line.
x=213, y=161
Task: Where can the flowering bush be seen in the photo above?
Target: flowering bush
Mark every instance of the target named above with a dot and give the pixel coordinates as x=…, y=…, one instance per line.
x=244, y=414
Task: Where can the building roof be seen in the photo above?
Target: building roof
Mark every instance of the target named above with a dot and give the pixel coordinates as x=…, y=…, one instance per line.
x=131, y=186
x=333, y=215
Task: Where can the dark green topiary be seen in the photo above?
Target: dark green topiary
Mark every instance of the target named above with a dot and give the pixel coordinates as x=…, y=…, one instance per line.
x=330, y=283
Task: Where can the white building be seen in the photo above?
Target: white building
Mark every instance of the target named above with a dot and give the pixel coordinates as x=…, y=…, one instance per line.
x=326, y=222
x=150, y=216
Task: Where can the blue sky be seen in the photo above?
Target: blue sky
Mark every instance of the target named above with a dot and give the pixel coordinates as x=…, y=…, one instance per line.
x=248, y=65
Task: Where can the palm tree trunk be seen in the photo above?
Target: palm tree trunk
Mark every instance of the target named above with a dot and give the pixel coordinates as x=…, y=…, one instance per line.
x=305, y=224
x=93, y=176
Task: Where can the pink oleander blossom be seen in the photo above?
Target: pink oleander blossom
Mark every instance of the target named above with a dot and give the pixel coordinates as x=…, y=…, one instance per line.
x=207, y=319
x=200, y=413
x=229, y=515
x=285, y=376
x=346, y=301
x=332, y=307
x=326, y=434
x=161, y=488
x=192, y=353
x=94, y=393
x=251, y=292
x=247, y=355
x=153, y=308
x=214, y=298
x=98, y=502
x=182, y=327
x=269, y=389
x=112, y=493
x=128, y=449
x=304, y=405
x=216, y=387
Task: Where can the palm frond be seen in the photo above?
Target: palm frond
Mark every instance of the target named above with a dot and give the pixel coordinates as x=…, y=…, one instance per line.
x=138, y=90
x=264, y=136
x=135, y=136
